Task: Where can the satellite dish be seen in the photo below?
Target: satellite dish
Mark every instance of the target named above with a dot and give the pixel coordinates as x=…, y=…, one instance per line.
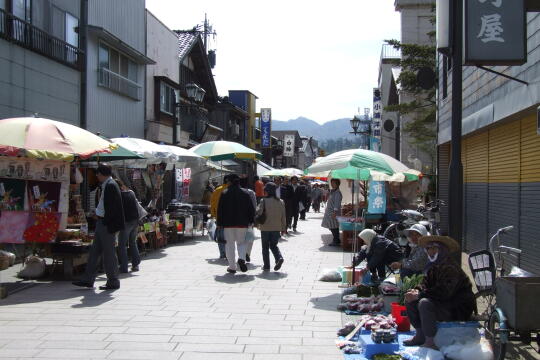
x=388, y=125
x=426, y=78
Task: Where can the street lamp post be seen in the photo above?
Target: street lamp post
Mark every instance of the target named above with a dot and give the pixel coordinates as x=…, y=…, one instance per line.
x=355, y=125
x=195, y=95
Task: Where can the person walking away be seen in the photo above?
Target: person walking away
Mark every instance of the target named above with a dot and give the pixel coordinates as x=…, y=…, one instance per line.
x=214, y=201
x=294, y=199
x=316, y=197
x=333, y=209
x=416, y=258
x=128, y=236
x=307, y=199
x=235, y=213
x=253, y=197
x=273, y=227
x=110, y=220
x=259, y=188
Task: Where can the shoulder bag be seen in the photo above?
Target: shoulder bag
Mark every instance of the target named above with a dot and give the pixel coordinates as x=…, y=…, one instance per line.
x=261, y=218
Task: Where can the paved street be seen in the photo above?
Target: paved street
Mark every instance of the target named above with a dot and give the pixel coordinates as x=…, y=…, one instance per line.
x=183, y=305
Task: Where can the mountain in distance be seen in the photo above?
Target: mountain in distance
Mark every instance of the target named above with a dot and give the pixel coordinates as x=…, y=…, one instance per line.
x=306, y=127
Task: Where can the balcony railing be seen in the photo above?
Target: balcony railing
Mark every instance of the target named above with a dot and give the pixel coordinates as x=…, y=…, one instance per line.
x=390, y=52
x=119, y=84
x=28, y=36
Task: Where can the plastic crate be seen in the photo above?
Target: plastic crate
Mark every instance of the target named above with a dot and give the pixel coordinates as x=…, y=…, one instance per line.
x=351, y=226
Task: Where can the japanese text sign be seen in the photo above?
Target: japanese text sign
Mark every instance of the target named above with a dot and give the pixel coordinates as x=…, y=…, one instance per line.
x=495, y=32
x=376, y=197
x=288, y=145
x=266, y=121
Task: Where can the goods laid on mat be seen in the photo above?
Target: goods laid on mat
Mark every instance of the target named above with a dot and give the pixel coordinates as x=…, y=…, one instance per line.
x=361, y=305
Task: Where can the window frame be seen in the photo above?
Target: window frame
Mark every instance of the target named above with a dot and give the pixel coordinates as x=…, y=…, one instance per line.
x=167, y=91
x=111, y=49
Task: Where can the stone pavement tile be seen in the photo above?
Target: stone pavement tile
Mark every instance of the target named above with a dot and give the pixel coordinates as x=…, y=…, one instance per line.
x=143, y=346
x=159, y=319
x=74, y=354
x=204, y=315
x=168, y=313
x=145, y=355
x=66, y=344
x=310, y=349
x=319, y=341
x=139, y=338
x=17, y=329
x=317, y=328
x=278, y=357
x=141, y=324
x=64, y=329
x=301, y=318
x=270, y=317
x=231, y=332
x=214, y=356
x=94, y=323
x=71, y=337
x=272, y=327
x=196, y=325
x=20, y=344
x=269, y=341
x=324, y=334
x=199, y=339
x=155, y=331
x=18, y=353
x=336, y=356
x=274, y=333
x=210, y=347
x=34, y=323
x=262, y=349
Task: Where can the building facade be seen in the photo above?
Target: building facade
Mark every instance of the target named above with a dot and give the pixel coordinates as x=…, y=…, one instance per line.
x=282, y=161
x=40, y=59
x=247, y=101
x=500, y=152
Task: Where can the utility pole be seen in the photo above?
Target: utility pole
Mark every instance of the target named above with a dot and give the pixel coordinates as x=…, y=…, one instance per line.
x=455, y=200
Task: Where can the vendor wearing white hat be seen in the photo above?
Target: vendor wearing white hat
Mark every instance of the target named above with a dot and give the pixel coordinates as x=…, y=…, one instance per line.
x=379, y=252
x=417, y=258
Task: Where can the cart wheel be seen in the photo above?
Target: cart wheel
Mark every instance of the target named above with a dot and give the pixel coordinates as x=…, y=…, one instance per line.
x=538, y=340
x=494, y=338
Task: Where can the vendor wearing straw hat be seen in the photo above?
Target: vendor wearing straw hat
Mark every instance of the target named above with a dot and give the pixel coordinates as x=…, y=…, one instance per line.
x=444, y=295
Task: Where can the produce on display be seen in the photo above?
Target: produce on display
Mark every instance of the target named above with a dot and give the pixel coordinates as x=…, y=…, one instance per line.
x=362, y=304
x=386, y=357
x=409, y=283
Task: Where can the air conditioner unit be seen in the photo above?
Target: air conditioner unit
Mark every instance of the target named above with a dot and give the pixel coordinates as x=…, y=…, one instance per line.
x=236, y=130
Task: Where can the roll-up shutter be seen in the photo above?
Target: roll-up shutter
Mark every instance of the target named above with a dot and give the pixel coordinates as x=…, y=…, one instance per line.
x=442, y=188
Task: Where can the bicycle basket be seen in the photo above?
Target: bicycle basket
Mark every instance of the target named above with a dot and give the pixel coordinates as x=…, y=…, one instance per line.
x=482, y=266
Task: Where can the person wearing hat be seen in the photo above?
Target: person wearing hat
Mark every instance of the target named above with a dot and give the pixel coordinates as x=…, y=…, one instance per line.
x=379, y=252
x=416, y=260
x=273, y=226
x=445, y=294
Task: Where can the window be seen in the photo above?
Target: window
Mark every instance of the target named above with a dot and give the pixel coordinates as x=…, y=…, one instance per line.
x=117, y=62
x=22, y=9
x=445, y=77
x=72, y=23
x=167, y=98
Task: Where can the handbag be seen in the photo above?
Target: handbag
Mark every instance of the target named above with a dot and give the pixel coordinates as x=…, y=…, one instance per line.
x=261, y=218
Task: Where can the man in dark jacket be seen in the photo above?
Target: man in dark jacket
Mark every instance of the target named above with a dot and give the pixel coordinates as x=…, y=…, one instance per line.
x=379, y=252
x=235, y=213
x=294, y=195
x=110, y=220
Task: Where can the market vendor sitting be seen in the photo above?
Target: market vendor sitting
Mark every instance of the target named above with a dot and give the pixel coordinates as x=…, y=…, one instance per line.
x=445, y=294
x=379, y=252
x=416, y=257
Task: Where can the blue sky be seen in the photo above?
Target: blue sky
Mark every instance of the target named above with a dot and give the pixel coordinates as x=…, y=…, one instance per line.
x=301, y=58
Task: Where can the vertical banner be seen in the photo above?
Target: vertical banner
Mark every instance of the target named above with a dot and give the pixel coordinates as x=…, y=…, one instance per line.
x=266, y=127
x=376, y=197
x=288, y=145
x=376, y=123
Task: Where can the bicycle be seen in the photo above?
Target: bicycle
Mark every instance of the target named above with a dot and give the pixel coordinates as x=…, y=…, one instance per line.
x=511, y=311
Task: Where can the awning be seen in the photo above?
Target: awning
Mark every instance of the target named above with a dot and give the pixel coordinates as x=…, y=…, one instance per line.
x=120, y=45
x=263, y=167
x=211, y=133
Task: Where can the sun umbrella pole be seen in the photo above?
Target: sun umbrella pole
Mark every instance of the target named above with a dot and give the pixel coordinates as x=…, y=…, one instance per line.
x=354, y=236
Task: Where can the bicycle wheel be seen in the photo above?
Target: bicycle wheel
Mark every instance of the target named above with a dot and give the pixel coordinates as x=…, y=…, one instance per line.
x=494, y=337
x=391, y=233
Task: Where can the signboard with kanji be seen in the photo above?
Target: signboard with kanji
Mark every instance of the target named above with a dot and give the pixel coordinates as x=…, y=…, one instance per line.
x=376, y=122
x=376, y=197
x=266, y=130
x=288, y=145
x=495, y=32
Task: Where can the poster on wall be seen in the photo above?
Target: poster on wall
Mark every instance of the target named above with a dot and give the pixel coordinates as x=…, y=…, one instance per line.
x=12, y=194
x=43, y=196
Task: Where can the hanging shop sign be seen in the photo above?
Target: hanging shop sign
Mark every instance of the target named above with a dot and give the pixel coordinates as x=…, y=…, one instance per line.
x=288, y=145
x=266, y=127
x=183, y=180
x=376, y=197
x=495, y=32
x=376, y=123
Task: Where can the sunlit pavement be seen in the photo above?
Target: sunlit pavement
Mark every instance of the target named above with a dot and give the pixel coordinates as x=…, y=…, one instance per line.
x=183, y=305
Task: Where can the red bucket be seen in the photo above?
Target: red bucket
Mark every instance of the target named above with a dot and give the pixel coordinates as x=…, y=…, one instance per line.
x=399, y=312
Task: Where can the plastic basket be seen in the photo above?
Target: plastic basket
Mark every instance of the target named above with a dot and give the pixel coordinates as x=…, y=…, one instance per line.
x=350, y=226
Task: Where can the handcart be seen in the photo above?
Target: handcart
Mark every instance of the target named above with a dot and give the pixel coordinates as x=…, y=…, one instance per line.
x=510, y=298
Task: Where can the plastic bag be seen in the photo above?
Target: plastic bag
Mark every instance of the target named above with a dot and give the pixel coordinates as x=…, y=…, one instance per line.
x=10, y=256
x=456, y=335
x=476, y=350
x=330, y=275
x=421, y=353
x=34, y=267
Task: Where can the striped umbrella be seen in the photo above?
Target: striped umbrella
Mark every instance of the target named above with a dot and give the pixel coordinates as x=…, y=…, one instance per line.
x=360, y=164
x=48, y=139
x=225, y=150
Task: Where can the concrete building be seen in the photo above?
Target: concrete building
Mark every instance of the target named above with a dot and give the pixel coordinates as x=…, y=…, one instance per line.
x=282, y=161
x=162, y=81
x=40, y=59
x=247, y=101
x=416, y=24
x=500, y=152
x=116, y=65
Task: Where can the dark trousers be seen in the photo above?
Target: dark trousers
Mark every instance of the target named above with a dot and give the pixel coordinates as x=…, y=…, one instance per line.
x=219, y=237
x=335, y=233
x=292, y=219
x=128, y=236
x=103, y=245
x=424, y=315
x=317, y=206
x=269, y=241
